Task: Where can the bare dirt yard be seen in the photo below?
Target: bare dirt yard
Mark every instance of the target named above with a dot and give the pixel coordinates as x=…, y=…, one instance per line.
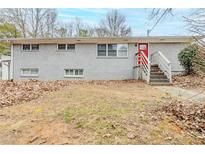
x=98, y=112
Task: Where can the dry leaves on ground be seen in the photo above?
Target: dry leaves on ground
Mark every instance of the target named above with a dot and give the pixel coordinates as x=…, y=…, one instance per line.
x=24, y=91
x=192, y=115
x=20, y=91
x=189, y=81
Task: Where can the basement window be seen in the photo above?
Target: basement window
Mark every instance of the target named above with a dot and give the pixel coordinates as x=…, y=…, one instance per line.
x=29, y=72
x=73, y=73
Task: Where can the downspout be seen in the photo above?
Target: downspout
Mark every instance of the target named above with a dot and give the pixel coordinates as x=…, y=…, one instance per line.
x=12, y=63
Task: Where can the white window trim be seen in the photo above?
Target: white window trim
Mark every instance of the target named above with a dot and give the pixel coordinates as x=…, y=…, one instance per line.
x=73, y=76
x=118, y=50
x=30, y=48
x=112, y=56
x=35, y=49
x=23, y=45
x=66, y=48
x=61, y=49
x=106, y=53
x=70, y=50
x=29, y=75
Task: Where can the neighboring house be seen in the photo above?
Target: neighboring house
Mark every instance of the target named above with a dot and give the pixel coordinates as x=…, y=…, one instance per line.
x=96, y=58
x=5, y=67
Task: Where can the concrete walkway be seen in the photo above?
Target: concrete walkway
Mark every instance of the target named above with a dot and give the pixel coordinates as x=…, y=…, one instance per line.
x=198, y=96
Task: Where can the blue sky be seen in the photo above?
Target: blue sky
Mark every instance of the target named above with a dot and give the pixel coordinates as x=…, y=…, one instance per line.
x=137, y=18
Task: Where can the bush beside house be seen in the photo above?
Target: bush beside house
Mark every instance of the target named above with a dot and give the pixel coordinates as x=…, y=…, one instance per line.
x=187, y=56
x=192, y=58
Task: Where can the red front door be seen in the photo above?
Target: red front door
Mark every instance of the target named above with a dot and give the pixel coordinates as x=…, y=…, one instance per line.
x=142, y=47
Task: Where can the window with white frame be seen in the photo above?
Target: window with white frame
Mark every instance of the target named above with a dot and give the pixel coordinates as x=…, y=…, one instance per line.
x=112, y=50
x=61, y=47
x=66, y=47
x=29, y=72
x=34, y=46
x=101, y=50
x=30, y=47
x=27, y=47
x=73, y=73
x=70, y=46
x=122, y=50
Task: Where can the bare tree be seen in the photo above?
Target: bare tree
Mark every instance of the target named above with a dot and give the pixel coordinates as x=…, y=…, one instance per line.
x=100, y=32
x=50, y=19
x=32, y=22
x=42, y=22
x=196, y=25
x=17, y=17
x=61, y=32
x=35, y=21
x=2, y=20
x=82, y=29
x=196, y=22
x=114, y=24
x=70, y=27
x=74, y=28
x=79, y=25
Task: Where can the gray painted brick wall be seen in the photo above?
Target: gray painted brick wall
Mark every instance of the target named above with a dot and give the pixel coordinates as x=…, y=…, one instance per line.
x=51, y=63
x=170, y=50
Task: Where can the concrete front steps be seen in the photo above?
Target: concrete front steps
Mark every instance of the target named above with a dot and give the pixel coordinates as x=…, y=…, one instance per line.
x=157, y=77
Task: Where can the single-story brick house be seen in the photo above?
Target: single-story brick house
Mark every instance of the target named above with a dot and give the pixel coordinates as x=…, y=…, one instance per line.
x=96, y=58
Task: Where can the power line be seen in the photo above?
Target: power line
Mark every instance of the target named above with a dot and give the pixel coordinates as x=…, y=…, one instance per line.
x=159, y=19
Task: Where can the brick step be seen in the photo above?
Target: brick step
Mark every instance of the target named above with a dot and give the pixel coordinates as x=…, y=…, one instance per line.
x=159, y=80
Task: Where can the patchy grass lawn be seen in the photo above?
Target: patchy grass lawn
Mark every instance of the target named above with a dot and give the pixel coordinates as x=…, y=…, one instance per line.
x=94, y=113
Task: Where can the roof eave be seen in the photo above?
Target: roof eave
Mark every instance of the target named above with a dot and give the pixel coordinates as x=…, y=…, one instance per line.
x=150, y=39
